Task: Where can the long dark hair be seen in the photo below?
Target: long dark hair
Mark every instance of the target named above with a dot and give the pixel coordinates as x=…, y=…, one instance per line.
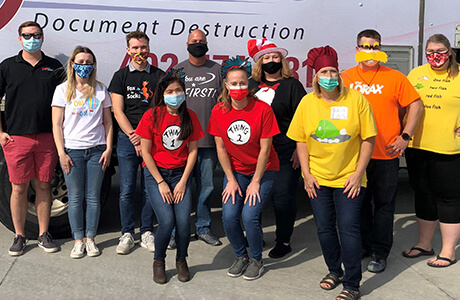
x=186, y=125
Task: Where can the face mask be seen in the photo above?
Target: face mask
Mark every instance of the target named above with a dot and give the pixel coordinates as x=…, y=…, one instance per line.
x=272, y=67
x=238, y=93
x=139, y=57
x=328, y=83
x=32, y=45
x=437, y=59
x=197, y=49
x=83, y=70
x=175, y=101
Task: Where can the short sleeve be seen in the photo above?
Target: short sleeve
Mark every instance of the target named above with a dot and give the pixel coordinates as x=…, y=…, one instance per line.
x=197, y=130
x=107, y=102
x=213, y=125
x=116, y=84
x=59, y=96
x=269, y=125
x=145, y=127
x=296, y=130
x=407, y=93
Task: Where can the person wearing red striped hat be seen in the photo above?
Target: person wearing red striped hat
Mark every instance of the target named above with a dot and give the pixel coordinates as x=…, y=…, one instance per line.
x=273, y=83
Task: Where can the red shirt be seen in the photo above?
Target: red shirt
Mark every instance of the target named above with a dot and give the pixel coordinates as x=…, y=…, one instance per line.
x=242, y=130
x=167, y=151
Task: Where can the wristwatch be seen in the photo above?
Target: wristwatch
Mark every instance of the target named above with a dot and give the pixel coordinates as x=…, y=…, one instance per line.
x=406, y=137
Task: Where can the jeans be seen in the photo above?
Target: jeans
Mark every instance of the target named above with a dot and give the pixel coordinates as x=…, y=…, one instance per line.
x=284, y=197
x=333, y=212
x=204, y=174
x=377, y=220
x=170, y=215
x=249, y=214
x=128, y=164
x=84, y=181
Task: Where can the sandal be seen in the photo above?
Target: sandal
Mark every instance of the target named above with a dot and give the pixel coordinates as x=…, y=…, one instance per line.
x=332, y=280
x=450, y=261
x=421, y=252
x=348, y=295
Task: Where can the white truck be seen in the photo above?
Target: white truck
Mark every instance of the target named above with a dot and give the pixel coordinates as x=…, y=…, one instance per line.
x=297, y=25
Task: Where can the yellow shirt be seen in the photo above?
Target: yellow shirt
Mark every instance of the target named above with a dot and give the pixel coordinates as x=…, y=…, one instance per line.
x=441, y=98
x=334, y=133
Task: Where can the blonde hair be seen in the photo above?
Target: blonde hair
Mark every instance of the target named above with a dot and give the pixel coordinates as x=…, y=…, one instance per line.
x=224, y=96
x=452, y=68
x=71, y=81
x=258, y=74
x=317, y=88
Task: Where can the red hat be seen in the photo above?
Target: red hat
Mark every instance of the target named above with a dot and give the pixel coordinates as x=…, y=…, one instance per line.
x=259, y=47
x=321, y=57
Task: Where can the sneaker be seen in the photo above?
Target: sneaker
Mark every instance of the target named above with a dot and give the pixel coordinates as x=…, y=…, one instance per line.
x=280, y=250
x=147, y=241
x=254, y=270
x=208, y=238
x=172, y=243
x=126, y=243
x=78, y=250
x=91, y=248
x=239, y=266
x=376, y=265
x=19, y=243
x=45, y=242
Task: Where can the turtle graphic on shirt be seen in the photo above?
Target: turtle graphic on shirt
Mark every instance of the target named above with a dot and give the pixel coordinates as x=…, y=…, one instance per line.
x=326, y=132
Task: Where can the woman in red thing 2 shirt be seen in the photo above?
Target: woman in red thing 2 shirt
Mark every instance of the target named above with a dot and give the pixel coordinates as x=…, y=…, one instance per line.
x=243, y=128
x=169, y=142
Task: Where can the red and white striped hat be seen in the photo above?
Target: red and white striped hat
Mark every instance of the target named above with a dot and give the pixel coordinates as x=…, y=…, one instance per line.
x=259, y=47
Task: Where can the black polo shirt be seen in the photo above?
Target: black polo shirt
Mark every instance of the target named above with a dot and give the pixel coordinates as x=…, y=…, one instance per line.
x=29, y=91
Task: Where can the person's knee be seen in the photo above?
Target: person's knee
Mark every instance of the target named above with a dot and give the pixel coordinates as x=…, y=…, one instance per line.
x=19, y=190
x=42, y=187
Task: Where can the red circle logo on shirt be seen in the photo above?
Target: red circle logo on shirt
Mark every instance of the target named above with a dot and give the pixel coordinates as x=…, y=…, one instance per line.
x=170, y=137
x=239, y=132
x=8, y=10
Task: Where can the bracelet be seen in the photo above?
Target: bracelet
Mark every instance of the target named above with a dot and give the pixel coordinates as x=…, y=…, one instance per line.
x=158, y=183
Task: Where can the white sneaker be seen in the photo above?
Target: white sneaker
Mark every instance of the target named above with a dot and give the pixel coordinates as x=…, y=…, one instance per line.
x=78, y=250
x=126, y=243
x=91, y=248
x=147, y=241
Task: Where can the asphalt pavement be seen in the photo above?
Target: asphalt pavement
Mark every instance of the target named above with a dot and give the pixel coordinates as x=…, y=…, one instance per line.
x=40, y=275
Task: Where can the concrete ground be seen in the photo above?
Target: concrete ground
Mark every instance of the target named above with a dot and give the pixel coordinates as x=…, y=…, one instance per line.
x=38, y=275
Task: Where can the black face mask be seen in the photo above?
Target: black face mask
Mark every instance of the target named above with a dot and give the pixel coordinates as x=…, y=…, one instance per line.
x=272, y=67
x=197, y=49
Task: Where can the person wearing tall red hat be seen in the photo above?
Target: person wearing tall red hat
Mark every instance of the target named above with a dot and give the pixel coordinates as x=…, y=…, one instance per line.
x=335, y=132
x=273, y=83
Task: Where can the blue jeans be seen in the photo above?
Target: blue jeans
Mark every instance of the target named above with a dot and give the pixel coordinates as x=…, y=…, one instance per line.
x=84, y=181
x=170, y=215
x=204, y=175
x=377, y=220
x=333, y=212
x=249, y=214
x=128, y=164
x=284, y=197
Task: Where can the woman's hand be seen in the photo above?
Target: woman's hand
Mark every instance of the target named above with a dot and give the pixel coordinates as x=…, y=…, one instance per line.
x=66, y=162
x=179, y=191
x=309, y=184
x=230, y=190
x=105, y=158
x=165, y=192
x=252, y=193
x=353, y=185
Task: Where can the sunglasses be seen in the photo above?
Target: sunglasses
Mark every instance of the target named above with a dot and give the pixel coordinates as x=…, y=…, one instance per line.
x=36, y=35
x=369, y=47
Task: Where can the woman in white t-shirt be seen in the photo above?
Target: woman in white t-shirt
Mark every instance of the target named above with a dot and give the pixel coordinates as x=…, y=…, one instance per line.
x=82, y=129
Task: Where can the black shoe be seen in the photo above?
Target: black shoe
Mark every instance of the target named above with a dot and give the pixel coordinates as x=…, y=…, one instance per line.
x=19, y=243
x=279, y=250
x=208, y=238
x=46, y=243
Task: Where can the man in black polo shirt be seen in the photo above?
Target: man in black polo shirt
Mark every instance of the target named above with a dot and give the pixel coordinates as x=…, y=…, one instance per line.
x=28, y=80
x=132, y=89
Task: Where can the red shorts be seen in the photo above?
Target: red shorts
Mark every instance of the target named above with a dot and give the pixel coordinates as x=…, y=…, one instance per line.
x=30, y=156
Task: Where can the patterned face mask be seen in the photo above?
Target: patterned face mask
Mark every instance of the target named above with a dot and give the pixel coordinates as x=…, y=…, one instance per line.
x=437, y=59
x=83, y=70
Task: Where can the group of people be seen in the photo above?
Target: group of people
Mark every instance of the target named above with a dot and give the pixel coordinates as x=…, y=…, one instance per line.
x=345, y=140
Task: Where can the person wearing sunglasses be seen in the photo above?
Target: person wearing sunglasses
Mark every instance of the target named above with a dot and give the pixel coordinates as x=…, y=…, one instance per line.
x=386, y=90
x=28, y=80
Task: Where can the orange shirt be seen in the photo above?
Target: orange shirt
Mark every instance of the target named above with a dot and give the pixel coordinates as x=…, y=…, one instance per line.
x=385, y=89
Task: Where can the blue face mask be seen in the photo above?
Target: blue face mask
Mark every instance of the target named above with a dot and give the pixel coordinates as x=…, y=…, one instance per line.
x=83, y=70
x=31, y=45
x=328, y=83
x=175, y=101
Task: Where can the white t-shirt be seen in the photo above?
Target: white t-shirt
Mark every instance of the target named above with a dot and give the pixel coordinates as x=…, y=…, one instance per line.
x=83, y=127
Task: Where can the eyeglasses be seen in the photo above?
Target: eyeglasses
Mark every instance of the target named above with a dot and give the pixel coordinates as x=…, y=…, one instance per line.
x=36, y=35
x=369, y=47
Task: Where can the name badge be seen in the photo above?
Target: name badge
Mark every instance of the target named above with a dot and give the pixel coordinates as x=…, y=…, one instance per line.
x=339, y=113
